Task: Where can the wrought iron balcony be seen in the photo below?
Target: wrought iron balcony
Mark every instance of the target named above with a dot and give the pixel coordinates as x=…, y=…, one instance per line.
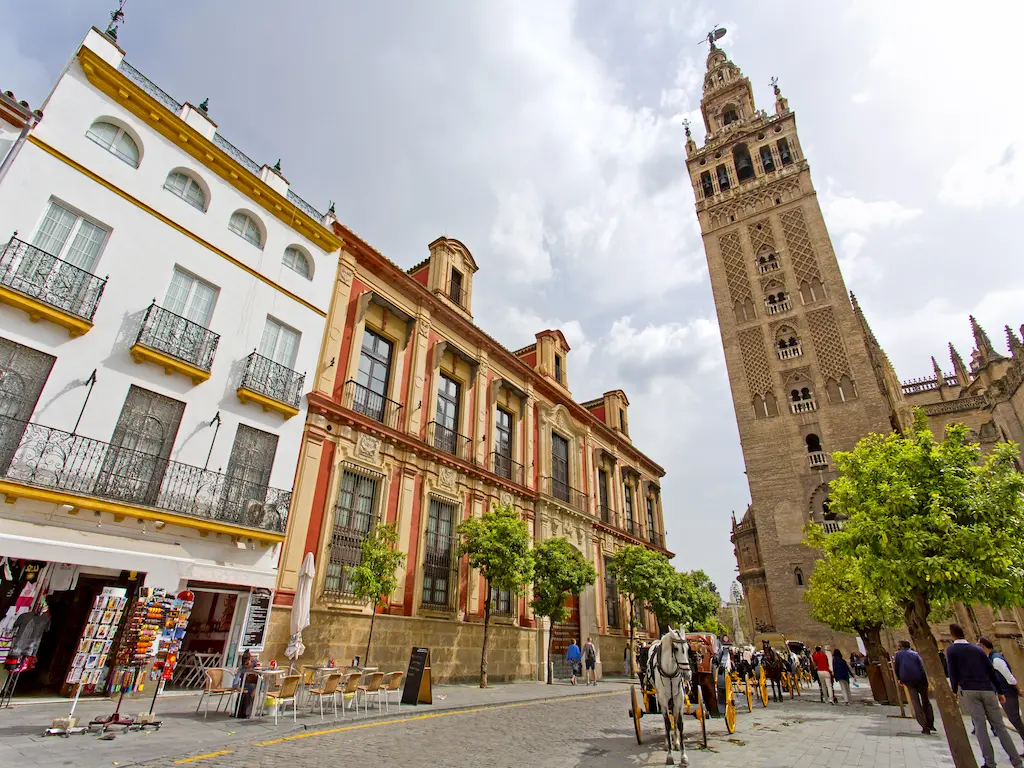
x=364, y=400
x=39, y=456
x=656, y=539
x=457, y=293
x=803, y=406
x=817, y=459
x=450, y=441
x=559, y=489
x=169, y=334
x=503, y=466
x=268, y=382
x=607, y=514
x=788, y=353
x=49, y=280
x=632, y=527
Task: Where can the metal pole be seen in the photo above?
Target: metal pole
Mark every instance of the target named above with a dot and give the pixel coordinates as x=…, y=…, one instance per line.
x=91, y=381
x=215, y=419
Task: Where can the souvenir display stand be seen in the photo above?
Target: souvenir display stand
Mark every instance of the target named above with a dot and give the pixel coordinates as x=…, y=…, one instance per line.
x=90, y=664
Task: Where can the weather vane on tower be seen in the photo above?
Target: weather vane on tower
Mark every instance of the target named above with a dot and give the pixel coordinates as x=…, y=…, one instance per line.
x=715, y=34
x=116, y=19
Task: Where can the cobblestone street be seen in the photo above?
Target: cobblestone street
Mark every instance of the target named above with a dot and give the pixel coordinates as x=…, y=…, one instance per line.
x=570, y=728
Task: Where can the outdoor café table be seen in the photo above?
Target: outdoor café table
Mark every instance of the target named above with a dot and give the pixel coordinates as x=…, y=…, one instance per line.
x=265, y=680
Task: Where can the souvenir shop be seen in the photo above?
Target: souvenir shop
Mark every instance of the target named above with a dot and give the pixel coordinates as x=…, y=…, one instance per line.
x=63, y=626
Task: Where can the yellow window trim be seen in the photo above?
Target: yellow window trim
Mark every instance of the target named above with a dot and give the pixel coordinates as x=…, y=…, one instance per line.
x=141, y=353
x=38, y=310
x=174, y=225
x=15, y=491
x=174, y=129
x=246, y=395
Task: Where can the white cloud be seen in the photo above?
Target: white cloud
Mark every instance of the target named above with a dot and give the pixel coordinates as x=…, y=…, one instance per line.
x=986, y=178
x=846, y=213
x=519, y=241
x=860, y=97
x=673, y=348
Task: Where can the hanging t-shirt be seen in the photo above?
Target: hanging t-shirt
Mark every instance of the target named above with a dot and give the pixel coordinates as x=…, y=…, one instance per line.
x=63, y=577
x=28, y=633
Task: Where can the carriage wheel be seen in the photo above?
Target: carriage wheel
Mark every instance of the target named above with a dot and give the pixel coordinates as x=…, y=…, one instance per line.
x=762, y=689
x=750, y=697
x=730, y=710
x=635, y=713
x=702, y=717
x=686, y=704
x=792, y=687
x=796, y=684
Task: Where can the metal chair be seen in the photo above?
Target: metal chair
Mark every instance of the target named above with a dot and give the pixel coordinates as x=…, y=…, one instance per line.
x=215, y=687
x=372, y=688
x=285, y=695
x=329, y=688
x=393, y=684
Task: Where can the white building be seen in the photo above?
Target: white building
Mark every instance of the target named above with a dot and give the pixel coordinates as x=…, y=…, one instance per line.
x=162, y=307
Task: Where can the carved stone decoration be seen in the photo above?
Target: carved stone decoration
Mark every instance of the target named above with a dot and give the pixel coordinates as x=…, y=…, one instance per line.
x=345, y=275
x=368, y=447
x=505, y=498
x=446, y=477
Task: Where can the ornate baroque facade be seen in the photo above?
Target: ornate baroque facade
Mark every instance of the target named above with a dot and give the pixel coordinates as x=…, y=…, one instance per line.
x=420, y=419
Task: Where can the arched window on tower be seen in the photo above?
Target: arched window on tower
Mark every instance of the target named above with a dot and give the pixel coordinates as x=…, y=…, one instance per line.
x=765, y=406
x=816, y=457
x=841, y=391
x=787, y=343
x=784, y=154
x=706, y=186
x=723, y=177
x=730, y=114
x=744, y=164
x=813, y=443
x=801, y=400
x=767, y=262
x=811, y=291
x=767, y=161
x=799, y=576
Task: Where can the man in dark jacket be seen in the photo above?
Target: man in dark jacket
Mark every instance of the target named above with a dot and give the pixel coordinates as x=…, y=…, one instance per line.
x=910, y=672
x=972, y=675
x=1010, y=685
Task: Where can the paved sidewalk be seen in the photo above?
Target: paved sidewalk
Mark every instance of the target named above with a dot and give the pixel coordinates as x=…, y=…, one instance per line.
x=184, y=731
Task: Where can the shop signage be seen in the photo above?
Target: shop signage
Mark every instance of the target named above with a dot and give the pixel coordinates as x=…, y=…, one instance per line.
x=257, y=615
x=417, y=680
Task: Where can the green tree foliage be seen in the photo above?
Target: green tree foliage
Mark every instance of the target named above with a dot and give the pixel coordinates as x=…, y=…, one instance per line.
x=687, y=599
x=375, y=579
x=560, y=572
x=640, y=573
x=498, y=545
x=930, y=522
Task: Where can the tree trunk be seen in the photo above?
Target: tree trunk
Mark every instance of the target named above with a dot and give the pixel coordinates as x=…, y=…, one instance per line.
x=632, y=624
x=483, y=653
x=551, y=647
x=883, y=687
x=373, y=615
x=916, y=615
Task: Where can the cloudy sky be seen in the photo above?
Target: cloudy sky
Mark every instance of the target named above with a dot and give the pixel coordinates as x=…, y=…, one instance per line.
x=546, y=136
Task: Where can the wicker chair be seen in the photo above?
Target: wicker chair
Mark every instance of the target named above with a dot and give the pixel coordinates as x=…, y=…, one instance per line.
x=329, y=688
x=285, y=695
x=393, y=684
x=350, y=689
x=372, y=688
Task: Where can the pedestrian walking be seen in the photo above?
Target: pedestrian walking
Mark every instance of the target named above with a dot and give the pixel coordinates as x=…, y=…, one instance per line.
x=841, y=672
x=910, y=672
x=1010, y=687
x=972, y=675
x=590, y=662
x=824, y=674
x=572, y=658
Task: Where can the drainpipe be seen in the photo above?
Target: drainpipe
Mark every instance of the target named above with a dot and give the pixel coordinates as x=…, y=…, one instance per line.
x=30, y=123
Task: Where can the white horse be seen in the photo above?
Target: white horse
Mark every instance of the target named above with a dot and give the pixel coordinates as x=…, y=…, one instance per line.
x=668, y=668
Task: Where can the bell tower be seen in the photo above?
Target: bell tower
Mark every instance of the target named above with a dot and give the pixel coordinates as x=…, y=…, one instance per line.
x=804, y=382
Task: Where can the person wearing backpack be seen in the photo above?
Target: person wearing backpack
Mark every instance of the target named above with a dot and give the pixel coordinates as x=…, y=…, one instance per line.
x=590, y=662
x=1011, y=688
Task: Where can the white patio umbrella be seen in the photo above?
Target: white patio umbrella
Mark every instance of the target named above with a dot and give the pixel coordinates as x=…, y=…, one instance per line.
x=300, y=608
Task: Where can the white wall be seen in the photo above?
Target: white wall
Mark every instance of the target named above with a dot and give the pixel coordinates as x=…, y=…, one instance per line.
x=139, y=256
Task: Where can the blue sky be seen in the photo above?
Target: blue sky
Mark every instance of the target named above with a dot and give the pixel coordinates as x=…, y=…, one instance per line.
x=546, y=136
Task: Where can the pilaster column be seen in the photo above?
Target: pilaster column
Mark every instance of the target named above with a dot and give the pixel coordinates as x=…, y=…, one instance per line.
x=294, y=547
x=403, y=522
x=416, y=404
x=483, y=408
x=334, y=331
x=529, y=443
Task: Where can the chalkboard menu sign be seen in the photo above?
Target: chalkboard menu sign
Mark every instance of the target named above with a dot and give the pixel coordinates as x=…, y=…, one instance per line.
x=257, y=614
x=417, y=680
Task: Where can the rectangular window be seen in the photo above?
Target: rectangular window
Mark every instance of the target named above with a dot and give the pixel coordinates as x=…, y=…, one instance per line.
x=248, y=475
x=766, y=159
x=23, y=373
x=70, y=237
x=190, y=297
x=705, y=184
x=455, y=287
x=440, y=575
x=501, y=602
x=446, y=430
x=559, y=467
x=627, y=500
x=650, y=517
x=503, y=443
x=353, y=519
x=723, y=178
x=611, y=596
x=784, y=155
x=373, y=375
x=280, y=343
x=602, y=495
x=622, y=420
x=558, y=368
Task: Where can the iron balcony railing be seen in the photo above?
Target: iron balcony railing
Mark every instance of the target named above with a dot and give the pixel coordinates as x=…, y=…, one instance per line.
x=631, y=527
x=272, y=379
x=149, y=86
x=607, y=514
x=42, y=276
x=178, y=337
x=346, y=553
x=302, y=205
x=364, y=400
x=236, y=154
x=457, y=293
x=51, y=458
x=656, y=539
x=559, y=489
x=503, y=466
x=450, y=441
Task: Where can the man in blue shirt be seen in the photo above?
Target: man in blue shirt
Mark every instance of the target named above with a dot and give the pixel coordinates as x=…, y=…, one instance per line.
x=972, y=676
x=572, y=658
x=910, y=672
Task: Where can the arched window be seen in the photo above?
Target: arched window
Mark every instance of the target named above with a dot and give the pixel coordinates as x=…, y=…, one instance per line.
x=723, y=178
x=296, y=261
x=799, y=576
x=187, y=188
x=813, y=443
x=767, y=161
x=743, y=162
x=115, y=140
x=243, y=225
x=846, y=388
x=730, y=115
x=705, y=184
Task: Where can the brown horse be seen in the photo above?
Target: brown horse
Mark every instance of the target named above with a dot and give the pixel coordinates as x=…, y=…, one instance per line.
x=773, y=666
